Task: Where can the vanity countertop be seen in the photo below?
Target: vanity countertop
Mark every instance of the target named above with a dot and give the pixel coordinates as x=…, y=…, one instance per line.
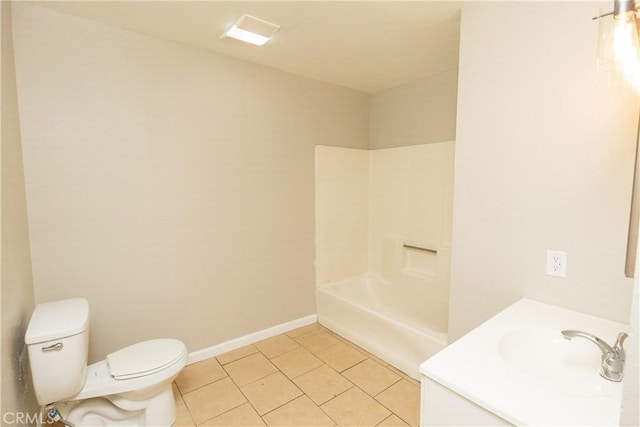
x=535, y=390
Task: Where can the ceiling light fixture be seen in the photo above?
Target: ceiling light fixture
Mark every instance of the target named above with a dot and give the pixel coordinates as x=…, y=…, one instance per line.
x=250, y=29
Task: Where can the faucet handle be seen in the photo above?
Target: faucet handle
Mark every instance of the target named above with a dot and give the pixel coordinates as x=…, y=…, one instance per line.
x=618, y=347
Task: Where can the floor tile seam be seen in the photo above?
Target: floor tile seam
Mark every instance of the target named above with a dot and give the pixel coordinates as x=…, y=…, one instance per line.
x=293, y=337
x=280, y=406
x=230, y=409
x=188, y=412
x=335, y=371
x=403, y=374
x=222, y=365
x=280, y=354
x=331, y=346
x=306, y=372
x=386, y=388
x=284, y=334
x=393, y=412
x=257, y=379
x=374, y=398
x=400, y=378
x=298, y=397
x=359, y=363
x=347, y=343
x=191, y=418
x=356, y=386
x=299, y=343
x=272, y=373
x=179, y=391
x=245, y=397
x=286, y=352
x=352, y=344
x=335, y=423
x=393, y=369
x=407, y=422
x=312, y=331
x=222, y=413
x=202, y=386
x=348, y=367
x=385, y=419
x=184, y=403
x=342, y=392
x=331, y=333
x=241, y=358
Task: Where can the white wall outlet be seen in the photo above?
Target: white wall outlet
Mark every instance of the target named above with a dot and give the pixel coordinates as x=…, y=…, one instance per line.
x=557, y=263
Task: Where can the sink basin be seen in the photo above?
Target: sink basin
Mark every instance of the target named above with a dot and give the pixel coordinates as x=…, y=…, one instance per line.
x=543, y=355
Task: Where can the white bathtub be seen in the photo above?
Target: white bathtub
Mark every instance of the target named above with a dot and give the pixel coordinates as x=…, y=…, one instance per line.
x=392, y=322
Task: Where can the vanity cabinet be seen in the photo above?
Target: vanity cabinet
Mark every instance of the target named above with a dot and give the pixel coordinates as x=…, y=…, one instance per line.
x=439, y=406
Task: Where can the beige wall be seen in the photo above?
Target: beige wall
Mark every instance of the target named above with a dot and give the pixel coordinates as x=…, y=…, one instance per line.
x=16, y=282
x=544, y=160
x=171, y=187
x=342, y=213
x=415, y=113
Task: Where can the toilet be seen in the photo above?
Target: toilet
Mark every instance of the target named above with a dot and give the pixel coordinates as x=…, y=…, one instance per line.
x=130, y=387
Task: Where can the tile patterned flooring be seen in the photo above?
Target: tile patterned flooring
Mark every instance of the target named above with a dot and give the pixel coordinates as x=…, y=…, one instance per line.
x=309, y=376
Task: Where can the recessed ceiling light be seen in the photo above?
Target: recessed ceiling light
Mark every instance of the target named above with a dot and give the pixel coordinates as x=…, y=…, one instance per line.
x=252, y=30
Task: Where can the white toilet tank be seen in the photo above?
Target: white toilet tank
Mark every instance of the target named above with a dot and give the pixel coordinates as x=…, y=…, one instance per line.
x=57, y=340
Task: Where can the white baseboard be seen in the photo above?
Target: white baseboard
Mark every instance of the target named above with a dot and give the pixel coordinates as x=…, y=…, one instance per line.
x=206, y=353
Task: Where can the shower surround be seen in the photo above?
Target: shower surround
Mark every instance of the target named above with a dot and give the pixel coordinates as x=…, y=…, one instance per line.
x=383, y=244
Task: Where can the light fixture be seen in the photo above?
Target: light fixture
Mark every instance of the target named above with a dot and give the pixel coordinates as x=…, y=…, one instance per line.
x=251, y=30
x=620, y=43
x=626, y=54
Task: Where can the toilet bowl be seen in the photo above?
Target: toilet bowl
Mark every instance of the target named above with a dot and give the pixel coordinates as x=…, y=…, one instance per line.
x=130, y=387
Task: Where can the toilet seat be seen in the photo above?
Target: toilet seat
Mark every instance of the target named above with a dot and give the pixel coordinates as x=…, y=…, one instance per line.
x=144, y=358
x=100, y=382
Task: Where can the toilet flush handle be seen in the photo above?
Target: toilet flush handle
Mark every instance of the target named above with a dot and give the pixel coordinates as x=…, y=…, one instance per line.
x=55, y=347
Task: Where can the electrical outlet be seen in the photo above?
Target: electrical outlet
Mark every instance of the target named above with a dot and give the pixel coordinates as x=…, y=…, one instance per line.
x=557, y=263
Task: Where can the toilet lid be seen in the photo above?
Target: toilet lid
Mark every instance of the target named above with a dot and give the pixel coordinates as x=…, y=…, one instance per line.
x=144, y=358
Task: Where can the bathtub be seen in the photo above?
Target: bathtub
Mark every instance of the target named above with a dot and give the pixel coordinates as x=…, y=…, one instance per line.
x=392, y=322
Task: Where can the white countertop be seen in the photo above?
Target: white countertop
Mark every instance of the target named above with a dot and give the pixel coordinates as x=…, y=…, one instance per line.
x=474, y=368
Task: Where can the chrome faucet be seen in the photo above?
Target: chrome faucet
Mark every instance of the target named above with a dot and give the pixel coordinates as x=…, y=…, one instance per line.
x=612, y=357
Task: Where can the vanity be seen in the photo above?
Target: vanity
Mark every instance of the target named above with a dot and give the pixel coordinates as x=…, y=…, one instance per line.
x=518, y=369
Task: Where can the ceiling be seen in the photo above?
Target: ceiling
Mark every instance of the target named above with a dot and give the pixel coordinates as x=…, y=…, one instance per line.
x=364, y=45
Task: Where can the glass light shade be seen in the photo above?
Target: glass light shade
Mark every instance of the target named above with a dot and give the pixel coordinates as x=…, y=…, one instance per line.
x=625, y=50
x=606, y=59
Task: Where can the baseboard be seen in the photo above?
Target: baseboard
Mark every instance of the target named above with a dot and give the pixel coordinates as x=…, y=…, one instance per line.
x=206, y=353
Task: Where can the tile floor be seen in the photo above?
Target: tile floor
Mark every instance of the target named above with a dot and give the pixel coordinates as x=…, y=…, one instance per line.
x=305, y=377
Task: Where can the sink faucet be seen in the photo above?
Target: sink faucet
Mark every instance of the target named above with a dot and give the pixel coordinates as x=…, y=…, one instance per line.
x=612, y=357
